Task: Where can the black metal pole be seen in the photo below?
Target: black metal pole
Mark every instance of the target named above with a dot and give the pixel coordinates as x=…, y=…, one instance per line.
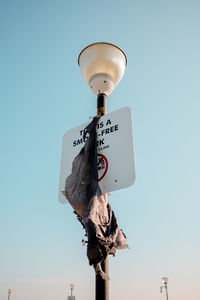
x=101, y=105
x=102, y=286
x=166, y=291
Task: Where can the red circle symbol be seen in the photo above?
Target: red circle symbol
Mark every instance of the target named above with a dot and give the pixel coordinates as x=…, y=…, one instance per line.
x=102, y=165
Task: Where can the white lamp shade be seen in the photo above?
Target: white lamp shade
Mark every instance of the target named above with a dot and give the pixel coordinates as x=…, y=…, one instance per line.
x=165, y=280
x=102, y=65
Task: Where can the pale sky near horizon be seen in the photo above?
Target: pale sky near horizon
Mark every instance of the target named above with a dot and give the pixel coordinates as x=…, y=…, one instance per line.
x=43, y=95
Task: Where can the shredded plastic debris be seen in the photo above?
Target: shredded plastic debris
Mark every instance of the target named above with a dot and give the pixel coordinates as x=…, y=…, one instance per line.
x=91, y=206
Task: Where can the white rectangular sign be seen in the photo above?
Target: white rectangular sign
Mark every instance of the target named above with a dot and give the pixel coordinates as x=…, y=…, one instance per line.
x=115, y=154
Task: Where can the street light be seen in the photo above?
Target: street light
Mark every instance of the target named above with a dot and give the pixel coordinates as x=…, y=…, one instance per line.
x=71, y=288
x=9, y=292
x=165, y=281
x=102, y=66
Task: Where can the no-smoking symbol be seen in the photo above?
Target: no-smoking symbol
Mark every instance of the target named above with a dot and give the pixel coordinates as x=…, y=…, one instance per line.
x=102, y=166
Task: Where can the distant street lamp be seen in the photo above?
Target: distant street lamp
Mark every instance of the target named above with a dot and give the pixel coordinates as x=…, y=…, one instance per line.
x=71, y=288
x=102, y=66
x=165, y=281
x=9, y=292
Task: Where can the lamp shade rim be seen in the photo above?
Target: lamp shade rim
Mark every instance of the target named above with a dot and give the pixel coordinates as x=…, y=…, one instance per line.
x=102, y=43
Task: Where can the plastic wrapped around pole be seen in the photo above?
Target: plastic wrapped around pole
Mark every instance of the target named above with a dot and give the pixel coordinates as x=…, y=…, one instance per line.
x=91, y=206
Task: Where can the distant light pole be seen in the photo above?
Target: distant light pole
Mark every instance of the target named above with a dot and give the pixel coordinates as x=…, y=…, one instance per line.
x=165, y=281
x=9, y=292
x=102, y=66
x=71, y=288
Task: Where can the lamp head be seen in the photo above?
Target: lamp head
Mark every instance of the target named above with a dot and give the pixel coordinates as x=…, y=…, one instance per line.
x=9, y=291
x=102, y=66
x=165, y=280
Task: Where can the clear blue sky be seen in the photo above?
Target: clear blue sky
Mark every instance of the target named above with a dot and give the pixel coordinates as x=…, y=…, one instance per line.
x=43, y=95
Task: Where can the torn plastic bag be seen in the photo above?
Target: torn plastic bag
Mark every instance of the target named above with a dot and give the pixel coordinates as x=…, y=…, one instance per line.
x=92, y=208
x=104, y=235
x=82, y=184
